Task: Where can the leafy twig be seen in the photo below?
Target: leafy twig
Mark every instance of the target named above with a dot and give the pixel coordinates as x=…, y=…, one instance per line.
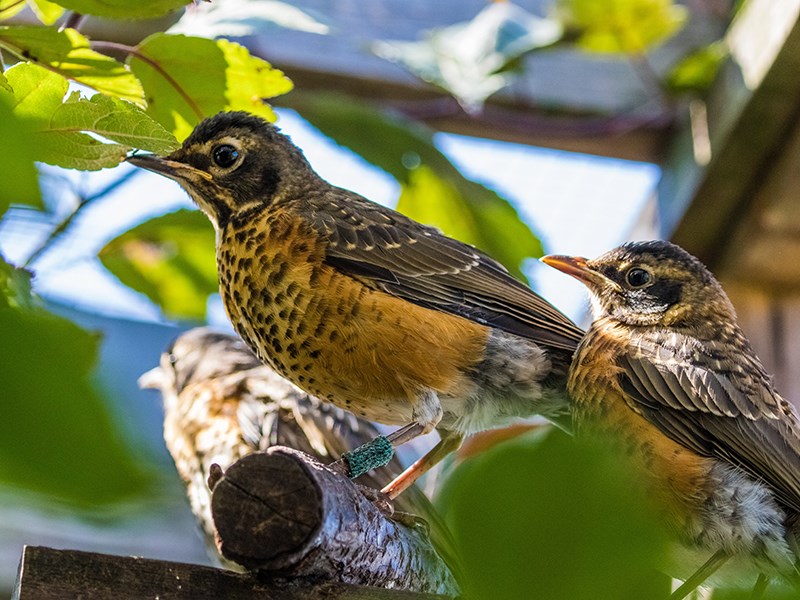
x=101, y=45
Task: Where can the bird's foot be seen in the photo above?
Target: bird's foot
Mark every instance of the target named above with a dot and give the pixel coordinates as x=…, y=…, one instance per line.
x=412, y=521
x=381, y=501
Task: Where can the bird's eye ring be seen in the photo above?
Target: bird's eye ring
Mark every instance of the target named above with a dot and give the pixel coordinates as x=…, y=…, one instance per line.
x=638, y=277
x=225, y=156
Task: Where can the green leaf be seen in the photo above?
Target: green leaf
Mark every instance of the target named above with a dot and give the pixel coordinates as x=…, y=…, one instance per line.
x=187, y=79
x=468, y=210
x=4, y=85
x=124, y=9
x=472, y=60
x=68, y=53
x=114, y=119
x=61, y=127
x=56, y=435
x=47, y=12
x=17, y=170
x=9, y=8
x=696, y=71
x=622, y=26
x=170, y=259
x=549, y=517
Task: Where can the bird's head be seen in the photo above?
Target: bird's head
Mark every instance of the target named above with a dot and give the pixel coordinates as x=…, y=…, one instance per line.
x=200, y=354
x=232, y=162
x=653, y=283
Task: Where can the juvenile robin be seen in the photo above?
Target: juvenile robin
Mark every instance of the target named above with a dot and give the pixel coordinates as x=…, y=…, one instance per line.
x=667, y=374
x=221, y=403
x=363, y=307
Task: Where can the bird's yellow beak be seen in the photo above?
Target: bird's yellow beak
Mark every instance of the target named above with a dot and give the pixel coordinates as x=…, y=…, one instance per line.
x=578, y=267
x=166, y=167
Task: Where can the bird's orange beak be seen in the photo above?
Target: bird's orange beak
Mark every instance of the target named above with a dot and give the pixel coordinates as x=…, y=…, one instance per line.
x=571, y=265
x=578, y=267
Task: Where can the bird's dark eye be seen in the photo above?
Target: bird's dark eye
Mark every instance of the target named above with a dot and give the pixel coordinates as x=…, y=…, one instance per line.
x=225, y=156
x=637, y=277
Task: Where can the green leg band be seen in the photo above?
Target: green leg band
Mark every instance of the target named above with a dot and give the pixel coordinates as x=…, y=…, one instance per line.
x=371, y=455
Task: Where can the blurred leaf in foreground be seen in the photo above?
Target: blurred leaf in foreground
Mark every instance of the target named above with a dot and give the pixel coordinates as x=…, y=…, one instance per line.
x=47, y=12
x=170, y=259
x=622, y=26
x=545, y=516
x=56, y=435
x=472, y=60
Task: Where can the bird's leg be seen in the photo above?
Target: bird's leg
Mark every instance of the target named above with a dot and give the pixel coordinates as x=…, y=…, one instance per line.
x=378, y=452
x=375, y=453
x=699, y=576
x=761, y=586
x=450, y=441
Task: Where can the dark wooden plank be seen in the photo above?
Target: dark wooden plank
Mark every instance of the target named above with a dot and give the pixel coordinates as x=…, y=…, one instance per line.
x=49, y=574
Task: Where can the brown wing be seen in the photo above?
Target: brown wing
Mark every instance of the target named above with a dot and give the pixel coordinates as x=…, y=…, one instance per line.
x=389, y=251
x=702, y=399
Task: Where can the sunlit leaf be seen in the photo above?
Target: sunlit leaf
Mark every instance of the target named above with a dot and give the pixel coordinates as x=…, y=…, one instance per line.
x=622, y=26
x=114, y=119
x=4, y=85
x=124, y=9
x=47, y=12
x=547, y=517
x=187, y=79
x=61, y=127
x=68, y=53
x=471, y=60
x=56, y=435
x=9, y=8
x=696, y=72
x=170, y=259
x=402, y=149
x=239, y=18
x=17, y=170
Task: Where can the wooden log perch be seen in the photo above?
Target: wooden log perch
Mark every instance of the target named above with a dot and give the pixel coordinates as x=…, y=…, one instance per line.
x=48, y=574
x=283, y=512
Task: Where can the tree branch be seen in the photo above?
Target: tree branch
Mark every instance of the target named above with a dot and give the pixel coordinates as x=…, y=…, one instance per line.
x=282, y=512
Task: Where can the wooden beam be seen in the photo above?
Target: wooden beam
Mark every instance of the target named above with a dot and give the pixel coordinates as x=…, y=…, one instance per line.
x=750, y=111
x=49, y=574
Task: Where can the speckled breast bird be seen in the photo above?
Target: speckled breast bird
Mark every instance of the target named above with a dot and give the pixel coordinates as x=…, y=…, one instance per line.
x=221, y=404
x=361, y=306
x=666, y=372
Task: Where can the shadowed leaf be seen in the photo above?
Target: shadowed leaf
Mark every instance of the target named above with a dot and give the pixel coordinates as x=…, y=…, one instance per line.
x=124, y=9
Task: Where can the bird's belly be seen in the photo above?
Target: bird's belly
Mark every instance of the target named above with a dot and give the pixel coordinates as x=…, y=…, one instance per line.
x=364, y=350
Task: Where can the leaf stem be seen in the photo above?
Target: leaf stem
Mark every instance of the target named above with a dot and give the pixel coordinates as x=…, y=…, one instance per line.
x=65, y=223
x=133, y=51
